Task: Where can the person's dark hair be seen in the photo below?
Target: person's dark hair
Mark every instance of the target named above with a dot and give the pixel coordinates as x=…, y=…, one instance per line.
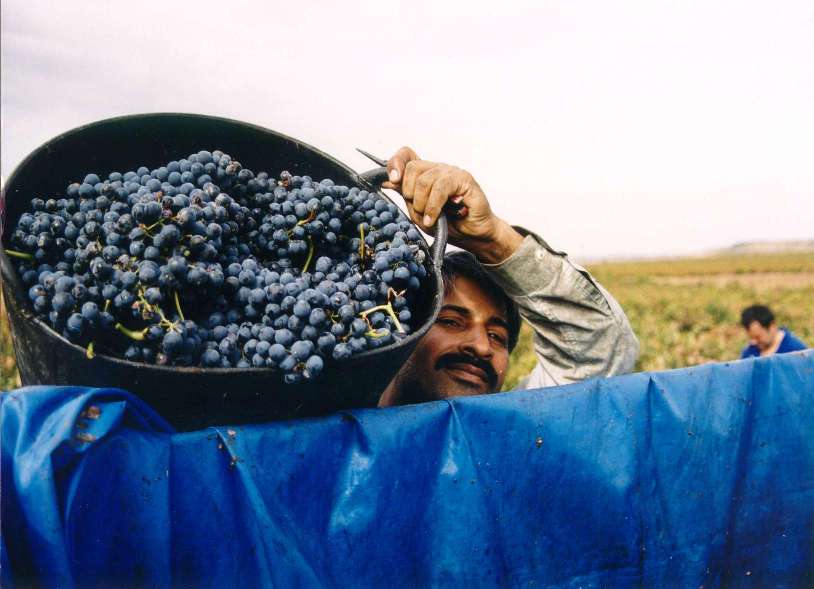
x=461, y=263
x=760, y=313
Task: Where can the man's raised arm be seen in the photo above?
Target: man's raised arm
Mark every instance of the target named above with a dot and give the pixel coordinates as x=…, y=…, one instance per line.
x=580, y=331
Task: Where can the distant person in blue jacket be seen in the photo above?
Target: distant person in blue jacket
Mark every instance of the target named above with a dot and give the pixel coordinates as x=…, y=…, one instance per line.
x=765, y=338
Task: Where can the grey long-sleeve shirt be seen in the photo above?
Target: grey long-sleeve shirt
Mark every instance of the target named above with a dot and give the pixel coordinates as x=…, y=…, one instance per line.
x=580, y=331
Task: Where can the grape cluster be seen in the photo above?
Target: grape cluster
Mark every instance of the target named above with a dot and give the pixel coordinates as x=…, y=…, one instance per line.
x=202, y=262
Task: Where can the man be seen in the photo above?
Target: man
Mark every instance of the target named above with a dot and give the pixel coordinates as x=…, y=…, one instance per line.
x=580, y=331
x=765, y=338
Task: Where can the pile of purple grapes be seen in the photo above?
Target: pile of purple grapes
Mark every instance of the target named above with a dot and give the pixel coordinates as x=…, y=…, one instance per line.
x=204, y=263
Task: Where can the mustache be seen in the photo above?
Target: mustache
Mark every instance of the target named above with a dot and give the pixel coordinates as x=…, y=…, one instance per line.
x=449, y=359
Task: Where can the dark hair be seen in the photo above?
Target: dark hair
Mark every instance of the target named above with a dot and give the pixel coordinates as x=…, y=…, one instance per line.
x=461, y=263
x=760, y=313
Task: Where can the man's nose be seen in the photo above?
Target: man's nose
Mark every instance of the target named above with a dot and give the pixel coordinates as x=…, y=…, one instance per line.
x=476, y=342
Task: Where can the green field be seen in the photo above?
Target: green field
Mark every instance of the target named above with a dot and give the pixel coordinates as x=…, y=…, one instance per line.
x=687, y=311
x=8, y=369
x=684, y=311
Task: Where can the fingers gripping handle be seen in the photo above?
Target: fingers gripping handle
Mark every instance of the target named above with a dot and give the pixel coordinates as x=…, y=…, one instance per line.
x=376, y=177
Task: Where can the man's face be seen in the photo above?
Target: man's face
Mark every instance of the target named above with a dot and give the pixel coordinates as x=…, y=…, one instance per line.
x=762, y=337
x=466, y=351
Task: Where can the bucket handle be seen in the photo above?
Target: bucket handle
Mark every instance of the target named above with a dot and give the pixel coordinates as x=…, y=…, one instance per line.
x=375, y=178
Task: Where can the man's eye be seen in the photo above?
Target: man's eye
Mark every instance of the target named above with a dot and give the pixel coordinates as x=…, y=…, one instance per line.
x=499, y=338
x=446, y=322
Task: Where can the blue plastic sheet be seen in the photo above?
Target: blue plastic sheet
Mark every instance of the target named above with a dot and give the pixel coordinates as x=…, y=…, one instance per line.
x=700, y=476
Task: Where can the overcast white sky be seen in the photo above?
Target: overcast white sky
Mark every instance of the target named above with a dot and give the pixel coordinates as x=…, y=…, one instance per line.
x=611, y=128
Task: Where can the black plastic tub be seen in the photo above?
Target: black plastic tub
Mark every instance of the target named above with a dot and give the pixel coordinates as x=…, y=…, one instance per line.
x=192, y=398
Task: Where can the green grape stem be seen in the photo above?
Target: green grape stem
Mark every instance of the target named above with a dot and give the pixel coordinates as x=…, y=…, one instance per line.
x=134, y=335
x=148, y=229
x=375, y=334
x=163, y=321
x=178, y=306
x=311, y=216
x=310, y=254
x=388, y=308
x=19, y=255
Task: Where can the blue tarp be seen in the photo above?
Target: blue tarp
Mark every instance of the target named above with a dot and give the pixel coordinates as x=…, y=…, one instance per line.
x=696, y=477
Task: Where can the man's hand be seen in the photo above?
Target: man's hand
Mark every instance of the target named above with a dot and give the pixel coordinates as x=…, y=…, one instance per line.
x=428, y=186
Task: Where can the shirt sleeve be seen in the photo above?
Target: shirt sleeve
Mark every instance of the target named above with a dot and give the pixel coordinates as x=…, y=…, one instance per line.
x=580, y=331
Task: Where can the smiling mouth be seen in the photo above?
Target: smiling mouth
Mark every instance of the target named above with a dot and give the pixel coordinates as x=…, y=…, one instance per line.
x=468, y=373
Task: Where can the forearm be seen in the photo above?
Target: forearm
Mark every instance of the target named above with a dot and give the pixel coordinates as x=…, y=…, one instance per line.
x=499, y=245
x=580, y=331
